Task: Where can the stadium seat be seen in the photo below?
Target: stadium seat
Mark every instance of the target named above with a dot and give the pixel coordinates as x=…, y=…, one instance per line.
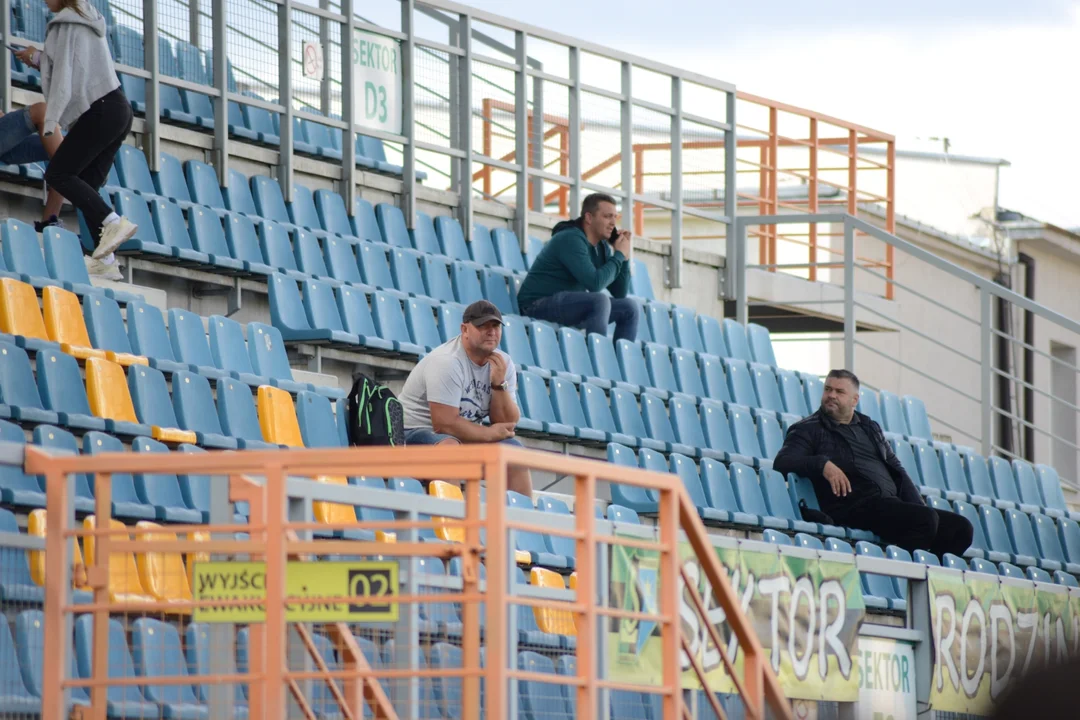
x=568, y=411
x=536, y=407
x=929, y=465
x=556, y=622
x=951, y=561
x=980, y=546
x=269, y=202
x=508, y=250
x=717, y=430
x=636, y=498
x=162, y=490
x=1001, y=475
x=65, y=325
x=18, y=585
x=900, y=584
x=778, y=503
x=277, y=250
x=19, y=394
x=422, y=327
x=124, y=585
x=687, y=373
x=436, y=273
x=744, y=481
x=892, y=413
x=1030, y=495
x=482, y=248
x=392, y=226
x=466, y=283
x=22, y=253
x=243, y=241
x=1049, y=543
x=197, y=649
x=356, y=318
x=496, y=288
x=157, y=653
x=1066, y=579
x=1000, y=539
x=110, y=398
x=277, y=417
x=268, y=357
x=687, y=425
x=761, y=347
x=813, y=389
x=644, y=331
x=606, y=364
x=658, y=364
x=229, y=350
x=1023, y=539
x=293, y=317
x=712, y=336
x=133, y=171
x=770, y=435
x=172, y=233
x=558, y=544
x=161, y=573
x=15, y=699
x=740, y=383
x=196, y=491
x=451, y=238
x=576, y=359
x=539, y=700
x=193, y=402
x=208, y=237
x=532, y=249
x=658, y=426
x=809, y=542
x=983, y=566
x=708, y=509
x=148, y=337
x=188, y=338
x=341, y=262
x=405, y=269
x=105, y=326
x=239, y=420
x=776, y=538
x=870, y=405
x=375, y=267
x=202, y=185
x=424, y=238
x=712, y=375
x=768, y=392
x=977, y=472
x=153, y=405
x=1053, y=497
x=917, y=420
x=598, y=415
x=302, y=212
x=20, y=315
x=660, y=327
x=169, y=181
x=744, y=432
x=684, y=322
x=879, y=586
x=735, y=338
x=391, y=325
x=955, y=477
x=634, y=368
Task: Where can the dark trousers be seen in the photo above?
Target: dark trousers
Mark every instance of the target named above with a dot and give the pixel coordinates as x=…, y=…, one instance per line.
x=589, y=311
x=910, y=526
x=81, y=165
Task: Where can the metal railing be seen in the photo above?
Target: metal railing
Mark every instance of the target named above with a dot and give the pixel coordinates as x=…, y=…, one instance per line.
x=284, y=674
x=956, y=347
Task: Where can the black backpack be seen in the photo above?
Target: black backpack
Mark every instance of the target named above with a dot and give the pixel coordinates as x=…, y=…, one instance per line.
x=375, y=414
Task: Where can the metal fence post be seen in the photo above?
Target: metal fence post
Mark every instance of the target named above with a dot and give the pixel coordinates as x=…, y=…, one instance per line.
x=674, y=274
x=5, y=59
x=408, y=115
x=285, y=157
x=731, y=199
x=464, y=114
x=574, y=116
x=220, y=76
x=221, y=636
x=986, y=383
x=742, y=312
x=626, y=151
x=849, y=296
x=194, y=29
x=151, y=137
x=325, y=101
x=348, y=112
x=521, y=136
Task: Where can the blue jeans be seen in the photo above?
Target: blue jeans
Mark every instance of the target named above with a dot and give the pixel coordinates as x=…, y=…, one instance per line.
x=427, y=436
x=588, y=310
x=20, y=143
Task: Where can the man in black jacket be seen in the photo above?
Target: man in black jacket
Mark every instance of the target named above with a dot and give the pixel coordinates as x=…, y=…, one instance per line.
x=858, y=479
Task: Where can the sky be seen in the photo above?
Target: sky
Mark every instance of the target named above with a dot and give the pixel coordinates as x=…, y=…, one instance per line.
x=998, y=78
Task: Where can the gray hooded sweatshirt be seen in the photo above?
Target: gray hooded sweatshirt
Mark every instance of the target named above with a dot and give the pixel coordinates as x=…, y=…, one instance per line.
x=76, y=68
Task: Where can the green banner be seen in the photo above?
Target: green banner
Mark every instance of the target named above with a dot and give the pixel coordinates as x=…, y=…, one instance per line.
x=806, y=613
x=987, y=632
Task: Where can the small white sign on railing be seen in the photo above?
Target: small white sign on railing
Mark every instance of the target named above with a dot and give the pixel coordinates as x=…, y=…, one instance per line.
x=377, y=82
x=313, y=60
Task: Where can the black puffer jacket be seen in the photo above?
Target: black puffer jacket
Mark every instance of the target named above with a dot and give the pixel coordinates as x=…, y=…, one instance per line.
x=814, y=441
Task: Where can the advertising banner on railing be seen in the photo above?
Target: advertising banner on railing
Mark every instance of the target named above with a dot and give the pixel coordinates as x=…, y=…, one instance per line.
x=886, y=673
x=806, y=612
x=987, y=633
x=377, y=81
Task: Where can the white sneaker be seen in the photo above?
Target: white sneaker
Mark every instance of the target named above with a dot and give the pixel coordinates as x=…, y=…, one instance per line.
x=110, y=271
x=113, y=235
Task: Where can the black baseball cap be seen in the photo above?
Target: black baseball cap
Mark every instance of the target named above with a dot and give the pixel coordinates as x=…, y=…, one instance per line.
x=480, y=313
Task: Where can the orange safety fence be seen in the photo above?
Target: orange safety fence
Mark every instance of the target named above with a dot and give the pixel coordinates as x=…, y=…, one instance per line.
x=300, y=661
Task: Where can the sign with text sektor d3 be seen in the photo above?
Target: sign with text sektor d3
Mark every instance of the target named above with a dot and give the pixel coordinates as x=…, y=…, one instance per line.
x=886, y=673
x=988, y=632
x=372, y=584
x=377, y=81
x=806, y=612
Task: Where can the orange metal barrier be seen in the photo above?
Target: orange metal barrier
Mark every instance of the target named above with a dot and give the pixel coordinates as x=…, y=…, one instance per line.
x=263, y=478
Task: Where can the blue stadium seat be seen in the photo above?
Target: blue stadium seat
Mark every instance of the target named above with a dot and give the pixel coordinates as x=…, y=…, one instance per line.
x=598, y=415
x=768, y=392
x=193, y=402
x=133, y=171
x=173, y=234
x=770, y=436
x=208, y=237
x=15, y=699
x=309, y=256
x=534, y=543
x=877, y=585
x=436, y=275
x=893, y=413
x=776, y=538
x=712, y=374
x=1023, y=539
x=1009, y=570
x=636, y=498
x=451, y=238
x=605, y=363
x=684, y=321
x=323, y=314
x=659, y=318
x=744, y=433
x=392, y=225
x=363, y=223
x=906, y=456
x=420, y=318
x=496, y=290
x=243, y=241
x=330, y=214
x=405, y=269
x=157, y=653
x=739, y=382
x=162, y=490
x=1001, y=475
x=424, y=237
x=1030, y=496
x=291, y=315
x=556, y=544
x=269, y=202
x=315, y=416
x=277, y=250
x=661, y=372
x=983, y=566
x=999, y=537
x=536, y=406
x=980, y=546
x=576, y=359
x=16, y=585
x=624, y=406
x=268, y=357
x=688, y=473
x=761, y=346
x=977, y=472
x=532, y=249
x=391, y=325
x=539, y=700
x=202, y=185
x=230, y=351
x=196, y=490
x=929, y=464
x=105, y=325
x=870, y=405
x=808, y=541
x=618, y=513
x=126, y=502
x=644, y=332
x=716, y=480
x=658, y=425
x=900, y=554
x=717, y=431
x=19, y=394
x=262, y=123
x=482, y=247
x=634, y=369
x=375, y=267
x=951, y=561
x=1066, y=579
x=567, y=406
x=1049, y=542
x=341, y=261
x=956, y=485
x=1037, y=575
x=150, y=396
x=515, y=342
x=188, y=338
x=49, y=436
x=22, y=253
x=748, y=494
x=1053, y=497
x=450, y=320
x=356, y=318
x=236, y=410
x=197, y=649
x=687, y=373
x=712, y=336
x=64, y=262
x=169, y=181
x=917, y=419
x=466, y=283
x=688, y=429
x=508, y=249
x=791, y=392
x=813, y=388
x=738, y=345
x=238, y=196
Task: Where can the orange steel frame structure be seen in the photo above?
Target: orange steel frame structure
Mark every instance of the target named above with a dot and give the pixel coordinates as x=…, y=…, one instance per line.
x=260, y=478
x=850, y=137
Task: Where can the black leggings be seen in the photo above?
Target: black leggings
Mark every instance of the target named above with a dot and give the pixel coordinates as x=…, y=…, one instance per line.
x=81, y=165
x=911, y=526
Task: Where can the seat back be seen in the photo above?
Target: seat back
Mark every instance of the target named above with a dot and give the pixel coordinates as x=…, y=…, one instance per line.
x=813, y=388
x=420, y=318
x=424, y=238
x=624, y=406
x=1046, y=535
x=1020, y=533
x=602, y=353
x=169, y=223
x=952, y=467
x=267, y=352
x=712, y=374
x=392, y=225
x=770, y=436
x=374, y=265
x=686, y=423
x=20, y=248
x=791, y=392
x=123, y=573
x=559, y=622
x=768, y=392
x=405, y=268
x=539, y=700
x=717, y=429
x=159, y=489
x=105, y=324
x=17, y=386
x=1050, y=485
x=390, y=318
x=243, y=239
x=1026, y=482
x=451, y=238
x=536, y=405
x=169, y=179
x=193, y=402
x=302, y=210
x=690, y=476
x=20, y=313
x=188, y=337
x=747, y=490
x=870, y=405
x=497, y=290
x=761, y=347
x=107, y=391
x=739, y=382
x=978, y=475
x=309, y=255
x=508, y=249
x=269, y=202
x=227, y=345
x=687, y=373
x=157, y=654
x=277, y=251
x=162, y=574
x=355, y=312
x=150, y=397
x=146, y=332
x=712, y=336
x=632, y=363
x=436, y=274
x=684, y=322
x=63, y=318
x=133, y=171
x=873, y=583
x=659, y=319
x=575, y=353
x=996, y=533
x=743, y=431
x=917, y=419
x=1001, y=474
x=50, y=436
x=902, y=449
x=926, y=457
x=567, y=403
x=320, y=305
x=658, y=363
x=236, y=410
x=735, y=338
x=277, y=417
x=481, y=246
x=466, y=283
x=203, y=185
x=657, y=420
x=893, y=413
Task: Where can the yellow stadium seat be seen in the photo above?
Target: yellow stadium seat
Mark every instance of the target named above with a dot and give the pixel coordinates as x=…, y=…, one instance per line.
x=65, y=324
x=194, y=557
x=123, y=580
x=107, y=389
x=560, y=622
x=447, y=491
x=333, y=513
x=162, y=574
x=277, y=417
x=20, y=313
x=36, y=525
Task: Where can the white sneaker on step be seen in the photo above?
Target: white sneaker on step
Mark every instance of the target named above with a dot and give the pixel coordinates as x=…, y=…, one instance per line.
x=113, y=235
x=105, y=271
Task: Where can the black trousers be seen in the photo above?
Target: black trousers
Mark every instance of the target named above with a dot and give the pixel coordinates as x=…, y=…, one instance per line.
x=81, y=165
x=910, y=526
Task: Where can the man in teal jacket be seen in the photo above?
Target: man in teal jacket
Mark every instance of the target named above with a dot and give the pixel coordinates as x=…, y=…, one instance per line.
x=582, y=258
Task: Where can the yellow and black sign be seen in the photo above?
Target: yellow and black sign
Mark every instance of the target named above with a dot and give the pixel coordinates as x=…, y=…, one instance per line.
x=373, y=584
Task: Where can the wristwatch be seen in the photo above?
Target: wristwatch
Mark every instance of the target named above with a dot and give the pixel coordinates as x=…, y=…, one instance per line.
x=501, y=386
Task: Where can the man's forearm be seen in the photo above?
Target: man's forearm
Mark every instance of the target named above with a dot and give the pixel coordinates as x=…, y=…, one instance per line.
x=503, y=408
x=803, y=465
x=464, y=430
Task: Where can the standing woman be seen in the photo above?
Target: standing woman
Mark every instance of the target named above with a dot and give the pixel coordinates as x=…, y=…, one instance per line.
x=82, y=94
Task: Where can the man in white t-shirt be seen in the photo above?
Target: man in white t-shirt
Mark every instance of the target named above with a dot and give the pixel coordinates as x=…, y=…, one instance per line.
x=457, y=385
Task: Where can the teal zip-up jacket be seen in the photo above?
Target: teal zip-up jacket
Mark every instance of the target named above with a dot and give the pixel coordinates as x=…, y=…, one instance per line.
x=569, y=263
